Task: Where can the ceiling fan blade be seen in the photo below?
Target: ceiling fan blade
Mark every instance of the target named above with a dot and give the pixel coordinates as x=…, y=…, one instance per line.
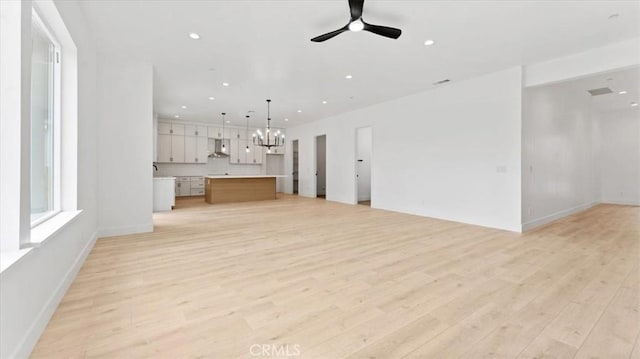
x=329, y=35
x=356, y=9
x=385, y=31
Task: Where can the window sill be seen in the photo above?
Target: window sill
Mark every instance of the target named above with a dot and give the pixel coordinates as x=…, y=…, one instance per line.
x=45, y=230
x=39, y=235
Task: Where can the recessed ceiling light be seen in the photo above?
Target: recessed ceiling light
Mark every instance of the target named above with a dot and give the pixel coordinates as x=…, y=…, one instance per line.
x=228, y=121
x=183, y=106
x=324, y=102
x=225, y=84
x=429, y=43
x=613, y=16
x=212, y=98
x=286, y=119
x=194, y=36
x=176, y=116
x=634, y=104
x=622, y=92
x=299, y=111
x=348, y=77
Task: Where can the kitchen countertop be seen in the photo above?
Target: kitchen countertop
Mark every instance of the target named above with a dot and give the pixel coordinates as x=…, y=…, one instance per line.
x=247, y=176
x=164, y=178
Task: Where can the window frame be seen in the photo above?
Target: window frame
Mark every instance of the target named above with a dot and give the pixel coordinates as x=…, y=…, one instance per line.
x=56, y=121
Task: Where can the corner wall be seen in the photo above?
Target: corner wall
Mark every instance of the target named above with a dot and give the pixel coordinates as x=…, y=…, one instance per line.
x=559, y=174
x=620, y=157
x=450, y=153
x=125, y=146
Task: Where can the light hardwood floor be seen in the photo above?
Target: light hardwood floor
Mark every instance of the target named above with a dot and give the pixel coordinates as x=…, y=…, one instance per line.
x=336, y=281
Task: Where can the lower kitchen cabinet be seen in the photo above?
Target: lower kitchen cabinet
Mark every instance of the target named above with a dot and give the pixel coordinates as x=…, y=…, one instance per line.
x=189, y=186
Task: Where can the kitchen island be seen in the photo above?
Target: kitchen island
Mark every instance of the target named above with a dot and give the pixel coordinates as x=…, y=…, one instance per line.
x=228, y=189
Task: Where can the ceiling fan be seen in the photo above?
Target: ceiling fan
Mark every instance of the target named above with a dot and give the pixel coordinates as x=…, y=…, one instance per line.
x=356, y=24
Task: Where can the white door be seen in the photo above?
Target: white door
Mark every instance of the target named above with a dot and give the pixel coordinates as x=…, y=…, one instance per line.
x=363, y=162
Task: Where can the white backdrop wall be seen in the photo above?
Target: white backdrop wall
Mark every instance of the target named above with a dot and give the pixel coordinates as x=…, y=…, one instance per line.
x=559, y=132
x=32, y=288
x=620, y=157
x=125, y=146
x=450, y=153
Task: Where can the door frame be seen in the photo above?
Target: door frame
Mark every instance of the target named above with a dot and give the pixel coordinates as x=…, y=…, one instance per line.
x=315, y=164
x=293, y=151
x=355, y=165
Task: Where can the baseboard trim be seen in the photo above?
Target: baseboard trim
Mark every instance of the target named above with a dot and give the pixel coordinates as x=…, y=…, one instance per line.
x=555, y=216
x=123, y=231
x=25, y=348
x=622, y=203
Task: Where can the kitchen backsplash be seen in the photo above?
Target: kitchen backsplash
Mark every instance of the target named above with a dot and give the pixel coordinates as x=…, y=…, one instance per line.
x=213, y=166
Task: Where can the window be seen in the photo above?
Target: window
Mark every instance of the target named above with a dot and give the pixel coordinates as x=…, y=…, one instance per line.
x=45, y=121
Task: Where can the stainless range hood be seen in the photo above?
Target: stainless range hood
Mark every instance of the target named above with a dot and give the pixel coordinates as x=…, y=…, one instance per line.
x=215, y=148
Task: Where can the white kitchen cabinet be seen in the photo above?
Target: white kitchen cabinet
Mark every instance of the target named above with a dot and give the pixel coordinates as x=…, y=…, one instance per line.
x=197, y=186
x=177, y=149
x=195, y=130
x=183, y=186
x=234, y=153
x=256, y=154
x=195, y=149
x=164, y=194
x=177, y=129
x=164, y=128
x=190, y=148
x=216, y=132
x=170, y=142
x=164, y=148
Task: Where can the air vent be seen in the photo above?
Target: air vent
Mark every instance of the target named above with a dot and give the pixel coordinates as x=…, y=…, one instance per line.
x=441, y=82
x=600, y=91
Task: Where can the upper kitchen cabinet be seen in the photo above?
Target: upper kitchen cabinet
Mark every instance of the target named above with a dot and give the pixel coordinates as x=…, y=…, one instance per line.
x=170, y=142
x=195, y=149
x=195, y=130
x=216, y=132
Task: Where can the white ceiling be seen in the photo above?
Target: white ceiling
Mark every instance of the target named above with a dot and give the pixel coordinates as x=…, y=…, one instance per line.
x=262, y=49
x=622, y=80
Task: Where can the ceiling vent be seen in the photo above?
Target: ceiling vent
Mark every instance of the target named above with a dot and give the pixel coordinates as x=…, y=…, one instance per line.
x=600, y=91
x=441, y=82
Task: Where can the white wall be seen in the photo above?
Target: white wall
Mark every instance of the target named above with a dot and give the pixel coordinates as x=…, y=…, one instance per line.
x=620, y=157
x=451, y=153
x=32, y=288
x=125, y=146
x=559, y=174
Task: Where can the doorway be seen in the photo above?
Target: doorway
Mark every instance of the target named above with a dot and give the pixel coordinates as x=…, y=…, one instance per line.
x=364, y=140
x=321, y=166
x=294, y=172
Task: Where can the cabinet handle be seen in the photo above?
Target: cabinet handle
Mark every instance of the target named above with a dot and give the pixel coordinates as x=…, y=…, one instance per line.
x=196, y=159
x=170, y=159
x=238, y=160
x=171, y=131
x=196, y=133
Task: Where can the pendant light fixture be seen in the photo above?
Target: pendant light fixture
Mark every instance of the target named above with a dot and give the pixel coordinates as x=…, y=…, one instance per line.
x=224, y=148
x=258, y=137
x=247, y=134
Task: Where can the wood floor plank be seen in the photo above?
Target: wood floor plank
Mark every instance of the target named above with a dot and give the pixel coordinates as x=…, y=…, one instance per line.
x=352, y=281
